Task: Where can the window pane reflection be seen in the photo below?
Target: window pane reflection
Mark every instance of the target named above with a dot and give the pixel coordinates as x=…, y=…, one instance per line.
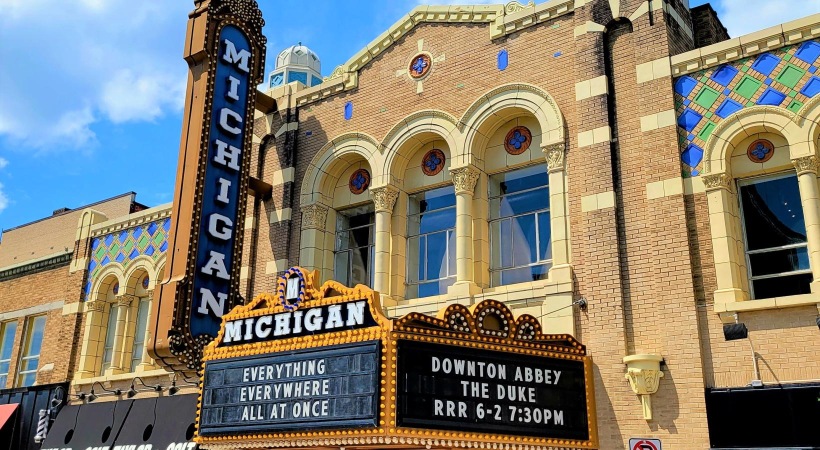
x=431, y=242
x=355, y=235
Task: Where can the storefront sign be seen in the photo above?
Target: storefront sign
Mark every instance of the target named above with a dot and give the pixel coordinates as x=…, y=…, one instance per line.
x=216, y=249
x=452, y=388
x=328, y=387
x=322, y=319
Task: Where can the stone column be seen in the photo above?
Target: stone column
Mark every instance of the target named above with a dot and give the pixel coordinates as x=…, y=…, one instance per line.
x=146, y=362
x=810, y=198
x=384, y=199
x=121, y=361
x=93, y=340
x=314, y=222
x=726, y=240
x=464, y=180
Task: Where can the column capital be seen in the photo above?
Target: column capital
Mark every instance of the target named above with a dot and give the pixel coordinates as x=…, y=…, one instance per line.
x=126, y=299
x=149, y=294
x=805, y=164
x=96, y=305
x=464, y=179
x=717, y=181
x=314, y=216
x=384, y=198
x=555, y=156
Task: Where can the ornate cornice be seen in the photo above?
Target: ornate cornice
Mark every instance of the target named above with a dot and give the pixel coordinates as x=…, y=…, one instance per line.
x=384, y=198
x=718, y=181
x=32, y=267
x=555, y=156
x=314, y=217
x=464, y=179
x=805, y=164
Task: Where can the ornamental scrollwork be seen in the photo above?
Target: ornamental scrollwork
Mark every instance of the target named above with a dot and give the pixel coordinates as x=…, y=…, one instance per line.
x=555, y=156
x=384, y=198
x=314, y=217
x=514, y=6
x=464, y=179
x=125, y=300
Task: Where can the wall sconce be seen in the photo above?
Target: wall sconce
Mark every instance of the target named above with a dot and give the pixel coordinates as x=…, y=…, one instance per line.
x=644, y=375
x=93, y=395
x=738, y=330
x=132, y=391
x=174, y=389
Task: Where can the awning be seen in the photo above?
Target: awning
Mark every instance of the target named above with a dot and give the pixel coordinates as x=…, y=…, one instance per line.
x=90, y=425
x=159, y=421
x=7, y=413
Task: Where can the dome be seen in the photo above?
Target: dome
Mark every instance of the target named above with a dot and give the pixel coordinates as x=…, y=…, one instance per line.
x=299, y=55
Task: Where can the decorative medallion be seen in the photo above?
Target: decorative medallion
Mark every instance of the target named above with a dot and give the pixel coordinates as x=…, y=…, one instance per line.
x=292, y=289
x=359, y=181
x=420, y=66
x=760, y=151
x=518, y=140
x=116, y=288
x=433, y=162
x=145, y=282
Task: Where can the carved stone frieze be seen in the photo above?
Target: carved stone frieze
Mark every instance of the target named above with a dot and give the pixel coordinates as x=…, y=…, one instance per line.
x=314, y=217
x=464, y=179
x=384, y=198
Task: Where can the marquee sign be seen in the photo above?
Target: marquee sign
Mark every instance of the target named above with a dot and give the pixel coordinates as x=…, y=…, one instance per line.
x=468, y=378
x=225, y=50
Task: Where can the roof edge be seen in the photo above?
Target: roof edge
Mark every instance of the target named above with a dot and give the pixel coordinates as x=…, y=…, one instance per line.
x=751, y=44
x=79, y=208
x=503, y=20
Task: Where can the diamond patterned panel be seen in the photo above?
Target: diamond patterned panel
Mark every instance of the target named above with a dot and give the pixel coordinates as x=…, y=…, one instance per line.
x=784, y=78
x=150, y=239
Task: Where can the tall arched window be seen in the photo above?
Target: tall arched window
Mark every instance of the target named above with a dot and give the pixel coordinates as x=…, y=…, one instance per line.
x=354, y=250
x=520, y=233
x=138, y=347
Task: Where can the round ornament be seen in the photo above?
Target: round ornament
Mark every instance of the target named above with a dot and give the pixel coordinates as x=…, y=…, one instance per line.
x=359, y=181
x=419, y=66
x=433, y=162
x=518, y=140
x=291, y=289
x=760, y=151
x=145, y=282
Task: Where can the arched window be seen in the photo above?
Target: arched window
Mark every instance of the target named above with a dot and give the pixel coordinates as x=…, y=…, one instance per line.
x=138, y=347
x=354, y=250
x=520, y=233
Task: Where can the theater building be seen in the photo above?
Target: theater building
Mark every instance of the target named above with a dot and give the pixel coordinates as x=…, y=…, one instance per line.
x=621, y=175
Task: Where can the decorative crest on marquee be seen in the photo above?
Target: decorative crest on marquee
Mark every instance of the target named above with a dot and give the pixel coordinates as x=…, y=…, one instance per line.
x=489, y=320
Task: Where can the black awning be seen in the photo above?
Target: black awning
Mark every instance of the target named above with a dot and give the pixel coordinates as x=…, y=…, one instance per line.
x=161, y=421
x=90, y=425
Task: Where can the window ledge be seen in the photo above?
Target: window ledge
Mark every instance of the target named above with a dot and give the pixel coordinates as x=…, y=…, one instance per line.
x=769, y=303
x=120, y=377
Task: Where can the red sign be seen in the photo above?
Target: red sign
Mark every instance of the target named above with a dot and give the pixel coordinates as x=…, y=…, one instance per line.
x=644, y=444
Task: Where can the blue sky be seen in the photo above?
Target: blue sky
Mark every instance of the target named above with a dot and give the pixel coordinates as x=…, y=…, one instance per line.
x=91, y=91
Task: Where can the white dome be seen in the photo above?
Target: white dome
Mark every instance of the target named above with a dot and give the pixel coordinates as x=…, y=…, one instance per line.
x=299, y=55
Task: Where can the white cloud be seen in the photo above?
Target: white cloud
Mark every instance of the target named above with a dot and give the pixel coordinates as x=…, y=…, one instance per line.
x=3, y=163
x=130, y=97
x=93, y=61
x=746, y=16
x=4, y=200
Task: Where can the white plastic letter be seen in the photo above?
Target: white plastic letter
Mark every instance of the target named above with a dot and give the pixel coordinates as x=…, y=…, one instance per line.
x=216, y=262
x=208, y=302
x=219, y=227
x=224, y=115
x=232, y=56
x=233, y=89
x=223, y=150
x=224, y=185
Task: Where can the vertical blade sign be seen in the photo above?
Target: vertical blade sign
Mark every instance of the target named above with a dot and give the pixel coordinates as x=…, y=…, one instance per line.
x=215, y=260
x=225, y=52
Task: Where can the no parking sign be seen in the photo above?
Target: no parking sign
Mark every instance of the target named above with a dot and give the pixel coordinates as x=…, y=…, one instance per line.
x=644, y=444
